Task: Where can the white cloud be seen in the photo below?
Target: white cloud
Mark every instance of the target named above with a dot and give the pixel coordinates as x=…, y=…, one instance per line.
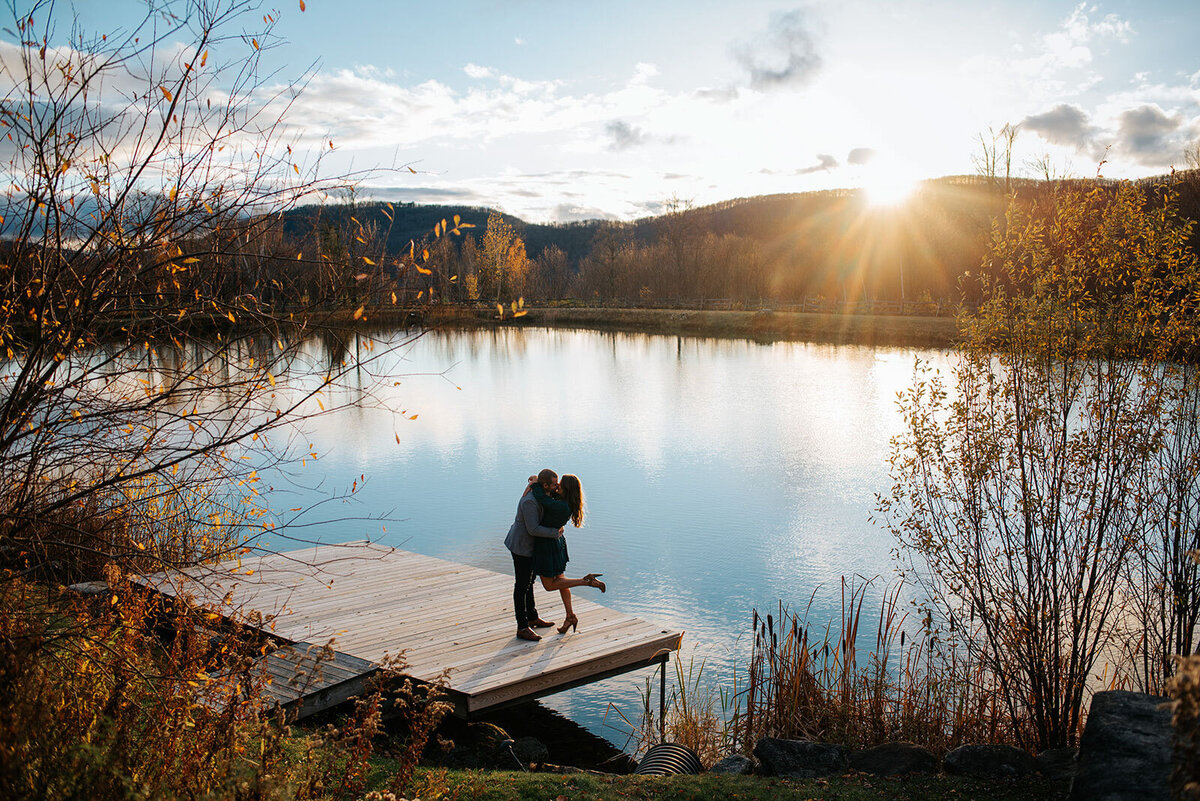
x=478, y=72
x=1070, y=47
x=643, y=72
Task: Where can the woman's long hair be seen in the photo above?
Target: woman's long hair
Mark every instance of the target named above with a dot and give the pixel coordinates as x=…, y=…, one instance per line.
x=572, y=492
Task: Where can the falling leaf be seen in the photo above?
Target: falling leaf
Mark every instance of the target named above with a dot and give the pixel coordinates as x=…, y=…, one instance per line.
x=301, y=5
x=414, y=417
x=166, y=93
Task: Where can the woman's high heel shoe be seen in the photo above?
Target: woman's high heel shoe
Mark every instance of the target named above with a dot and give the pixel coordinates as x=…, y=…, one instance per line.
x=593, y=581
x=570, y=623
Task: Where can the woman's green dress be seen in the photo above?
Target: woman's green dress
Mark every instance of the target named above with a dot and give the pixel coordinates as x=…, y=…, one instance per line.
x=550, y=555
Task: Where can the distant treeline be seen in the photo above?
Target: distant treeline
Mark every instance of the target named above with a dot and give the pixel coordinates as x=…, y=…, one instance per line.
x=827, y=248
x=780, y=248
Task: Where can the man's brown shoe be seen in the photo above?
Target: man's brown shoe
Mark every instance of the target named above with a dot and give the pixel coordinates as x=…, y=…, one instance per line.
x=528, y=634
x=541, y=624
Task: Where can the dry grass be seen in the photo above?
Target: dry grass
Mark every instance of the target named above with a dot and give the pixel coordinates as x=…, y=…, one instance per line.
x=96, y=705
x=810, y=682
x=806, y=681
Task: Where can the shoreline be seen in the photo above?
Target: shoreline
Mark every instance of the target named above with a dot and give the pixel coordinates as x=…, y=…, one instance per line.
x=759, y=326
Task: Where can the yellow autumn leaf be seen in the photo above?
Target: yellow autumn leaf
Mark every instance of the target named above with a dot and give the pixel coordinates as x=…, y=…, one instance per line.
x=424, y=270
x=368, y=261
x=204, y=58
x=358, y=313
x=301, y=5
x=255, y=43
x=414, y=417
x=166, y=93
x=232, y=319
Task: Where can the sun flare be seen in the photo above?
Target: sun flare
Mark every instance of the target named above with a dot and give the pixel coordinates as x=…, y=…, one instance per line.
x=889, y=187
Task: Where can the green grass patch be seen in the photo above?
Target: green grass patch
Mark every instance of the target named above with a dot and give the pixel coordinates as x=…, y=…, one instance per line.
x=430, y=784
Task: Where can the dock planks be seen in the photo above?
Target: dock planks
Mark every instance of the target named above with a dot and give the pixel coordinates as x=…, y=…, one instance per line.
x=371, y=602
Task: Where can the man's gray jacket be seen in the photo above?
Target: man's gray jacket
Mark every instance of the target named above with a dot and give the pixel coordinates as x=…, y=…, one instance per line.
x=527, y=526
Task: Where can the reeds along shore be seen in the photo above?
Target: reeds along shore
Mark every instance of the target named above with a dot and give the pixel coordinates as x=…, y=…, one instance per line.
x=804, y=680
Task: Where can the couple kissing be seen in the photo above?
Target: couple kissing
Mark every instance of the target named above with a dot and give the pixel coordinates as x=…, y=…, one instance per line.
x=539, y=549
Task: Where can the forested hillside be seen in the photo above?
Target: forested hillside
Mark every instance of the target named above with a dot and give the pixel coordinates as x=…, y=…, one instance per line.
x=832, y=245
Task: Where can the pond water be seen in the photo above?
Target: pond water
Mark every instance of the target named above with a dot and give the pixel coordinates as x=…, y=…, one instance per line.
x=720, y=475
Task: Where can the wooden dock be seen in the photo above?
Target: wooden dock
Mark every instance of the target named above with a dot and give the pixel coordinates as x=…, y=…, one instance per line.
x=370, y=602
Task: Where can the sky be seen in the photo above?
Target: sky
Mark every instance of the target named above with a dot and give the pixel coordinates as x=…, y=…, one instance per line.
x=565, y=110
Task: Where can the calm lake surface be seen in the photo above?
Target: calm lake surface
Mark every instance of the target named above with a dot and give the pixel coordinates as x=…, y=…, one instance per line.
x=720, y=475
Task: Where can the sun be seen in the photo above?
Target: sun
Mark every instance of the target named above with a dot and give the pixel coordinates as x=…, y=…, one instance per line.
x=888, y=186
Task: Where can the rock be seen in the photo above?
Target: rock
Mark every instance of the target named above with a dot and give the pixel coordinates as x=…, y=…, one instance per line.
x=89, y=588
x=801, y=759
x=989, y=761
x=1125, y=751
x=530, y=750
x=894, y=759
x=1058, y=764
x=734, y=764
x=477, y=745
x=546, y=767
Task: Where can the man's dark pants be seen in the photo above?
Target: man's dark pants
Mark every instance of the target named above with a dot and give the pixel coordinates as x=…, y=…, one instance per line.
x=523, y=590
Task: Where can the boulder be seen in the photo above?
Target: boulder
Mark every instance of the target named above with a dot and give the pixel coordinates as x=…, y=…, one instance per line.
x=734, y=764
x=89, y=588
x=800, y=759
x=989, y=761
x=1125, y=750
x=1058, y=764
x=530, y=750
x=894, y=759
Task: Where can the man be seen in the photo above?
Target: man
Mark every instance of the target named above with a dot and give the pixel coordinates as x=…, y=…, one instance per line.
x=520, y=542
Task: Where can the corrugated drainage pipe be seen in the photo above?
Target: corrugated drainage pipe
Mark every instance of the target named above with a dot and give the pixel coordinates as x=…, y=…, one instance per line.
x=668, y=759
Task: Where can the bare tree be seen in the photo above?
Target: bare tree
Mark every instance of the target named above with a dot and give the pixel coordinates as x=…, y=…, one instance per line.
x=995, y=156
x=145, y=177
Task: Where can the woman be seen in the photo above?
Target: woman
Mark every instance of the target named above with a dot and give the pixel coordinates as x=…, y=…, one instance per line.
x=550, y=555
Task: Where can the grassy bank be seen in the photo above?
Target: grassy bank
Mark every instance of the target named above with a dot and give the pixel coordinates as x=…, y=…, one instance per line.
x=508, y=786
x=857, y=329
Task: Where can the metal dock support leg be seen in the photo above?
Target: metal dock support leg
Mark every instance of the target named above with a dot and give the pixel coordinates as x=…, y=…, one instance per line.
x=662, y=700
